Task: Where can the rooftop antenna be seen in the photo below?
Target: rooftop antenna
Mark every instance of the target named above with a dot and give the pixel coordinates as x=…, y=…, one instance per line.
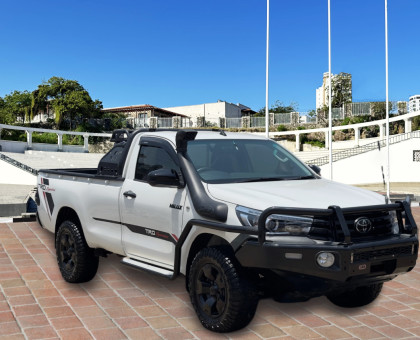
x=330, y=93
x=387, y=101
x=267, y=116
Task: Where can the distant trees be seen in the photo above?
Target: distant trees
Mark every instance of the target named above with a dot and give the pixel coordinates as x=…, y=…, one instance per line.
x=278, y=107
x=15, y=106
x=66, y=99
x=378, y=109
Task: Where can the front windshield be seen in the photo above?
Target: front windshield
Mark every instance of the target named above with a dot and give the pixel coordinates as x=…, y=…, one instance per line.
x=244, y=160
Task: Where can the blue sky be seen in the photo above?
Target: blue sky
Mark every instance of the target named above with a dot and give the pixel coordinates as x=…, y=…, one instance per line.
x=170, y=53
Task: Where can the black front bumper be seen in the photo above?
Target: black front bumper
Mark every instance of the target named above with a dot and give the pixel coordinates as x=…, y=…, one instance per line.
x=384, y=258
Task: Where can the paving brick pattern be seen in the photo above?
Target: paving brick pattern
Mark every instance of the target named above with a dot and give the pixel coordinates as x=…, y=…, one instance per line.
x=121, y=303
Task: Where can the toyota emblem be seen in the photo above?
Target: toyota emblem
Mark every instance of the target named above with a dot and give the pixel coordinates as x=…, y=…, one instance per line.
x=363, y=225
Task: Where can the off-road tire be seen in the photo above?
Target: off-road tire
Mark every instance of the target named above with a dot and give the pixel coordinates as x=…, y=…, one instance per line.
x=357, y=297
x=221, y=291
x=76, y=261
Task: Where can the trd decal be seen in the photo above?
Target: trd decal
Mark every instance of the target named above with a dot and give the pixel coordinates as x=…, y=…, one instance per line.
x=152, y=233
x=44, y=186
x=145, y=231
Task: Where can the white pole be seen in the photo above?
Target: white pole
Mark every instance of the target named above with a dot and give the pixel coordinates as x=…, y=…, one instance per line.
x=267, y=116
x=387, y=100
x=330, y=92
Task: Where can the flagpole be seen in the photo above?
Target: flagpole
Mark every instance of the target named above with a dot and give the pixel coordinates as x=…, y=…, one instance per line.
x=267, y=115
x=387, y=101
x=329, y=92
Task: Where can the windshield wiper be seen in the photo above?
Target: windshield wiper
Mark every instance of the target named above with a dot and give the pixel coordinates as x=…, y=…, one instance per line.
x=301, y=177
x=262, y=179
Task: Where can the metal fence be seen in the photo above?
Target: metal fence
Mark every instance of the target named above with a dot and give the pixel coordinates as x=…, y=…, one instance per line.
x=360, y=109
x=282, y=118
x=186, y=122
x=141, y=121
x=337, y=113
x=233, y=122
x=165, y=122
x=257, y=122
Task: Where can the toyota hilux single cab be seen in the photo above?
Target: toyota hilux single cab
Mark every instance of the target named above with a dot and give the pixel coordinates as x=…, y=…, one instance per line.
x=237, y=214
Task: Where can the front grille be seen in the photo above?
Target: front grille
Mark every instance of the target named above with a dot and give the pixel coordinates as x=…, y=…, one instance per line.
x=381, y=225
x=378, y=254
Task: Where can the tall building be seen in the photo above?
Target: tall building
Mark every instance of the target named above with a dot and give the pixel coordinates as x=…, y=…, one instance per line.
x=414, y=103
x=341, y=90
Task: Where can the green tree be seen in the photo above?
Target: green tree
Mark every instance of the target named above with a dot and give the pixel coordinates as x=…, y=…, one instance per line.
x=378, y=109
x=278, y=107
x=67, y=98
x=15, y=106
x=312, y=114
x=342, y=89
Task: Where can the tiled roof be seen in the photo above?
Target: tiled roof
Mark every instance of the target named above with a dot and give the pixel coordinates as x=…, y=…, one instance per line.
x=140, y=108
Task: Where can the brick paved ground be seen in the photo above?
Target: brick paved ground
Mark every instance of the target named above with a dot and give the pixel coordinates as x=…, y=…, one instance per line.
x=120, y=303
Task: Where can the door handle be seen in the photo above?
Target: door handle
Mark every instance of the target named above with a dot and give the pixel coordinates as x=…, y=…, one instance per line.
x=129, y=194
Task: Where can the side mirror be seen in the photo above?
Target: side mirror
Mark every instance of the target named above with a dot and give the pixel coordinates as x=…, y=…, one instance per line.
x=163, y=178
x=315, y=168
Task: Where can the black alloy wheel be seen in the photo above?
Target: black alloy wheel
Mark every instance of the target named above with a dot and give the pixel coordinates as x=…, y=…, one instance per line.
x=222, y=293
x=211, y=291
x=76, y=261
x=67, y=251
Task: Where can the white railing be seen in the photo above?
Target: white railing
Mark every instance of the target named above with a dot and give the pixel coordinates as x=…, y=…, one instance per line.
x=29, y=131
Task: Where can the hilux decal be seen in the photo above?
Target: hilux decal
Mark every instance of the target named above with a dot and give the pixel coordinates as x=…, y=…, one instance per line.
x=144, y=231
x=175, y=206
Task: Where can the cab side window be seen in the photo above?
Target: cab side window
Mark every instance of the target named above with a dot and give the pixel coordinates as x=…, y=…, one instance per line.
x=152, y=158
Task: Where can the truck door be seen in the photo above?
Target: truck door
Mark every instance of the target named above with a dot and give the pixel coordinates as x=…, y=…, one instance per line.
x=151, y=216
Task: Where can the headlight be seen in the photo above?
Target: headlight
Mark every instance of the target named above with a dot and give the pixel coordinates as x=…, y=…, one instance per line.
x=394, y=222
x=248, y=216
x=293, y=225
x=287, y=224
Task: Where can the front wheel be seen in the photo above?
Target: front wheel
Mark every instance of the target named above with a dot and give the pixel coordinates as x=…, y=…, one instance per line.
x=221, y=293
x=357, y=297
x=76, y=261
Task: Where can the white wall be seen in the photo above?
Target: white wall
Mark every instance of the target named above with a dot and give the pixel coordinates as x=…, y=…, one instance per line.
x=212, y=111
x=10, y=174
x=366, y=168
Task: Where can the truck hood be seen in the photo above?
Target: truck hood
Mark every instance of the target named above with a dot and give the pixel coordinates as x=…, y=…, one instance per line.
x=312, y=193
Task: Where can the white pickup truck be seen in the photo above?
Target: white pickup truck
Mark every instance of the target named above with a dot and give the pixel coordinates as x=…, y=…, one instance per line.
x=237, y=214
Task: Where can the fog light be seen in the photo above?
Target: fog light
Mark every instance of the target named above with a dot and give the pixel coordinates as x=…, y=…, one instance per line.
x=325, y=259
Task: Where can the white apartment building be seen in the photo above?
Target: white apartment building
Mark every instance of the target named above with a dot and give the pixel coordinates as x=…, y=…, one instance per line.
x=212, y=111
x=414, y=103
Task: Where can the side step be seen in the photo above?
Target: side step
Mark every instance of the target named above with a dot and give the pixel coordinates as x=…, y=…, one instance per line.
x=147, y=267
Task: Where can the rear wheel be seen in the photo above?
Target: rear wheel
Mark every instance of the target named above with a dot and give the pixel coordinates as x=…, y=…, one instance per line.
x=222, y=295
x=76, y=261
x=357, y=297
